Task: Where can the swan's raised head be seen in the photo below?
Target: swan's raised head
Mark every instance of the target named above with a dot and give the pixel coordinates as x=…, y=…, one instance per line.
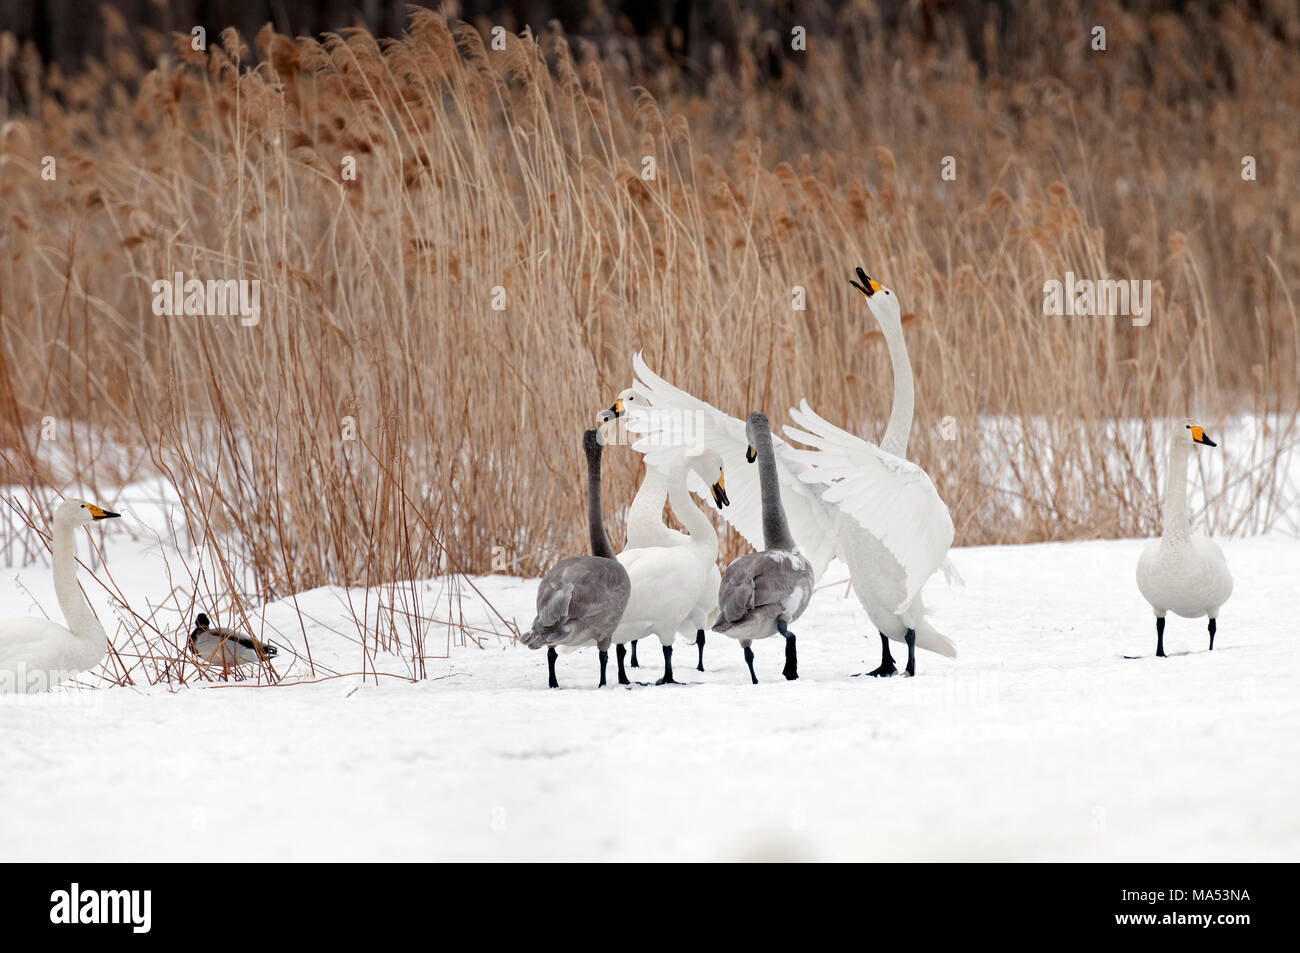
x=201, y=621
x=1196, y=434
x=882, y=301
x=80, y=512
x=755, y=426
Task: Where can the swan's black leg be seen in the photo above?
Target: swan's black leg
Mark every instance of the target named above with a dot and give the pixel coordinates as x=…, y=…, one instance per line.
x=749, y=660
x=668, y=667
x=699, y=643
x=550, y=664
x=619, y=652
x=1213, y=627
x=910, y=638
x=887, y=666
x=604, y=660
x=791, y=670
x=1160, y=636
x=634, y=663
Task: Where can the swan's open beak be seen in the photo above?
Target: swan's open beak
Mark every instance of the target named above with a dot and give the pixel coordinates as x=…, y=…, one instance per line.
x=720, y=492
x=750, y=454
x=869, y=286
x=1198, y=436
x=100, y=514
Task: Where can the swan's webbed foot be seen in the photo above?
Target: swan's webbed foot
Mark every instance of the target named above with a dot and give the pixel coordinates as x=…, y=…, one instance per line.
x=887, y=666
x=634, y=663
x=668, y=667
x=749, y=660
x=699, y=643
x=620, y=652
x=550, y=664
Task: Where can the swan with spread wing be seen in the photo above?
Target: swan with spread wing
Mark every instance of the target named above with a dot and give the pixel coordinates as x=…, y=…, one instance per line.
x=843, y=495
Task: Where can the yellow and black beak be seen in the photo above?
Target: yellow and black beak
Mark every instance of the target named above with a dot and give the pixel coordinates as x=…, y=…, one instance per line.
x=720, y=492
x=1198, y=436
x=618, y=410
x=869, y=286
x=100, y=514
x=750, y=454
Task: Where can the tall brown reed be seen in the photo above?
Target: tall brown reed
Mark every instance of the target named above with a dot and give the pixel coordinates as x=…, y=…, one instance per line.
x=384, y=422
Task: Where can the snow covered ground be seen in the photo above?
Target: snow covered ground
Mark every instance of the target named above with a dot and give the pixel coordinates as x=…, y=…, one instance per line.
x=1041, y=741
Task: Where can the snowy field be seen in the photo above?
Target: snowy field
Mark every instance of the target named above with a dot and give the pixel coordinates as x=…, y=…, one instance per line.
x=1041, y=741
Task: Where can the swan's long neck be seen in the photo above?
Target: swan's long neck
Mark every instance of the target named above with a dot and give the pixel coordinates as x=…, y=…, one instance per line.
x=595, y=525
x=698, y=526
x=76, y=610
x=900, y=416
x=1177, y=527
x=776, y=531
x=645, y=517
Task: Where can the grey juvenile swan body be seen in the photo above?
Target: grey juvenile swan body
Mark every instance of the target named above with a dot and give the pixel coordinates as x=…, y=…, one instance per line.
x=764, y=592
x=581, y=600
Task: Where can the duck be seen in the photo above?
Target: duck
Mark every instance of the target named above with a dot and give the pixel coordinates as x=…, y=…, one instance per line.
x=580, y=600
x=1180, y=572
x=764, y=593
x=227, y=647
x=37, y=654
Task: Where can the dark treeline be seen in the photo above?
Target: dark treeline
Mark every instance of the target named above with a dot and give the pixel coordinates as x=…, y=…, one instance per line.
x=67, y=32
x=699, y=37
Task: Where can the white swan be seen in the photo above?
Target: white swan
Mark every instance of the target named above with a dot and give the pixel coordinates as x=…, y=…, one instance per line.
x=667, y=581
x=886, y=583
x=646, y=527
x=880, y=513
x=36, y=654
x=1181, y=573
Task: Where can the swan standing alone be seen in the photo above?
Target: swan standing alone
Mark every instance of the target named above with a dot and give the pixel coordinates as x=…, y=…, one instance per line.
x=764, y=592
x=667, y=581
x=1181, y=573
x=36, y=654
x=646, y=527
x=581, y=599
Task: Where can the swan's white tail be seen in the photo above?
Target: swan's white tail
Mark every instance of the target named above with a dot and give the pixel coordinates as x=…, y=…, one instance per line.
x=932, y=640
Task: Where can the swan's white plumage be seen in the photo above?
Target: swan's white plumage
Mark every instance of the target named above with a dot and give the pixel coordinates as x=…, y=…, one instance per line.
x=677, y=420
x=671, y=583
x=36, y=654
x=646, y=527
x=893, y=499
x=1183, y=573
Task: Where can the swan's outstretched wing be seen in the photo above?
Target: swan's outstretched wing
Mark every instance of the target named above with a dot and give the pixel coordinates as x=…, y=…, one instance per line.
x=673, y=420
x=893, y=499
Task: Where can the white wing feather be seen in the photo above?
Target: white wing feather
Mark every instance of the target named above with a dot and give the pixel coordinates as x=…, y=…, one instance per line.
x=892, y=499
x=676, y=421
